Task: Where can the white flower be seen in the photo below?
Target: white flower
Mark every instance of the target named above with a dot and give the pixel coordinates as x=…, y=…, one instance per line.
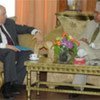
x=81, y=53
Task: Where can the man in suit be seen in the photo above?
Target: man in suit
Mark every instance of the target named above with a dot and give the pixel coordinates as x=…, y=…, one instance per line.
x=13, y=58
x=90, y=42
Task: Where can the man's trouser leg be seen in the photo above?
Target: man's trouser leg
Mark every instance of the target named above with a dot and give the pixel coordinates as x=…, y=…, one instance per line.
x=7, y=56
x=80, y=79
x=20, y=68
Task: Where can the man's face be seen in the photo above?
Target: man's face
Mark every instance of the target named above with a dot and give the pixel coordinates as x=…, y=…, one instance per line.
x=2, y=15
x=97, y=17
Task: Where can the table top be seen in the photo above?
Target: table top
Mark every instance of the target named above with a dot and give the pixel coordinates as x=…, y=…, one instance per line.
x=41, y=65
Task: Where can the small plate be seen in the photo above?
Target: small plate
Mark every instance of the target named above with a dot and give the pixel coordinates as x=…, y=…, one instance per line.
x=34, y=59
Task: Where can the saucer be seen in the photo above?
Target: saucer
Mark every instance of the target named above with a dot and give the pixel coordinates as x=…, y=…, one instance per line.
x=34, y=58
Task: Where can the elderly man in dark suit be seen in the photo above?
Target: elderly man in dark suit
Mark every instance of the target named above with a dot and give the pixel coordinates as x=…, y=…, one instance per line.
x=13, y=58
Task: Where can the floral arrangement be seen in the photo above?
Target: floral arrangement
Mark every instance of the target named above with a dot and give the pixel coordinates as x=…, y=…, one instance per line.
x=65, y=48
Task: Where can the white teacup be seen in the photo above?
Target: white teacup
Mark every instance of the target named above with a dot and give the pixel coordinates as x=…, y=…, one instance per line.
x=33, y=57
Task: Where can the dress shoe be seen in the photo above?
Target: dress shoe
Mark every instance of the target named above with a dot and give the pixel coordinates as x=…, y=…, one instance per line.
x=6, y=91
x=15, y=89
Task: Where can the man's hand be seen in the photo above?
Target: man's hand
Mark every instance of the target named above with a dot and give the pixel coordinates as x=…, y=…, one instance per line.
x=12, y=48
x=92, y=45
x=84, y=40
x=38, y=37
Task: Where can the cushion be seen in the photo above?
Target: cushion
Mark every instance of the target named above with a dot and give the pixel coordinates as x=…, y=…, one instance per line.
x=27, y=41
x=57, y=32
x=72, y=26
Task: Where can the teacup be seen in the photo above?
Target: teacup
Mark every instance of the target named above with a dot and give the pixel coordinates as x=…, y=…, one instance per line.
x=33, y=57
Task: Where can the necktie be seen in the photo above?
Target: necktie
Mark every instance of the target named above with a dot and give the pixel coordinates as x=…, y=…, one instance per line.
x=95, y=33
x=9, y=40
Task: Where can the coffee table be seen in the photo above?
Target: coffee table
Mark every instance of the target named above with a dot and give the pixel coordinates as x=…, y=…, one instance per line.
x=36, y=66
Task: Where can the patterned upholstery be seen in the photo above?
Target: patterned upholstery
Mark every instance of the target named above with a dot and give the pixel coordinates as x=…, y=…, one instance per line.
x=72, y=26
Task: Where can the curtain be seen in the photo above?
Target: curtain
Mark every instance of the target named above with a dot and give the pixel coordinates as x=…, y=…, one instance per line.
x=88, y=5
x=37, y=13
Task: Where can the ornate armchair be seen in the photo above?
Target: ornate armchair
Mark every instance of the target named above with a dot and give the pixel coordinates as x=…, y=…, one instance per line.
x=72, y=23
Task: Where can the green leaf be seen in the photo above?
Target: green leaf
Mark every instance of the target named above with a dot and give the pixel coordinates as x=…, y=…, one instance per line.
x=57, y=49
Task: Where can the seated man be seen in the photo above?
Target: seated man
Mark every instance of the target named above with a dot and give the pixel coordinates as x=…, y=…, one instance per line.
x=13, y=58
x=90, y=39
x=90, y=43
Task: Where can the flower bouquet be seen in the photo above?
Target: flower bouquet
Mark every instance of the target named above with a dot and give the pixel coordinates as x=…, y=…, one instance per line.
x=65, y=48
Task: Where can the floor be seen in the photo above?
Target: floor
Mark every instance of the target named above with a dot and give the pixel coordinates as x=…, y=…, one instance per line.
x=50, y=96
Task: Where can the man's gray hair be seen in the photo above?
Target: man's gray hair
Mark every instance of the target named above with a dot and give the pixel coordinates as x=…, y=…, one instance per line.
x=1, y=8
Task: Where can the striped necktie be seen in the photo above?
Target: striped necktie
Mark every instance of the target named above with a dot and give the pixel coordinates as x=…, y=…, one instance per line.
x=97, y=30
x=9, y=40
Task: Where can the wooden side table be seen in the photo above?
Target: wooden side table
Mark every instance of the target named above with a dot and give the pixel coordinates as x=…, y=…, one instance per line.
x=59, y=68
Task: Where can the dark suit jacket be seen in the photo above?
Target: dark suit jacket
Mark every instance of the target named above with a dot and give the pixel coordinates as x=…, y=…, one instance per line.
x=15, y=29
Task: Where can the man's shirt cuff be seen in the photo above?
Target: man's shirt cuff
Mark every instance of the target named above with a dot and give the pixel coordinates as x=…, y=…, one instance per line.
x=34, y=31
x=92, y=45
x=2, y=45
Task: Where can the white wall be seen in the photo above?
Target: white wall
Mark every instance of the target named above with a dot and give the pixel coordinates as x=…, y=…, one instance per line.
x=10, y=7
